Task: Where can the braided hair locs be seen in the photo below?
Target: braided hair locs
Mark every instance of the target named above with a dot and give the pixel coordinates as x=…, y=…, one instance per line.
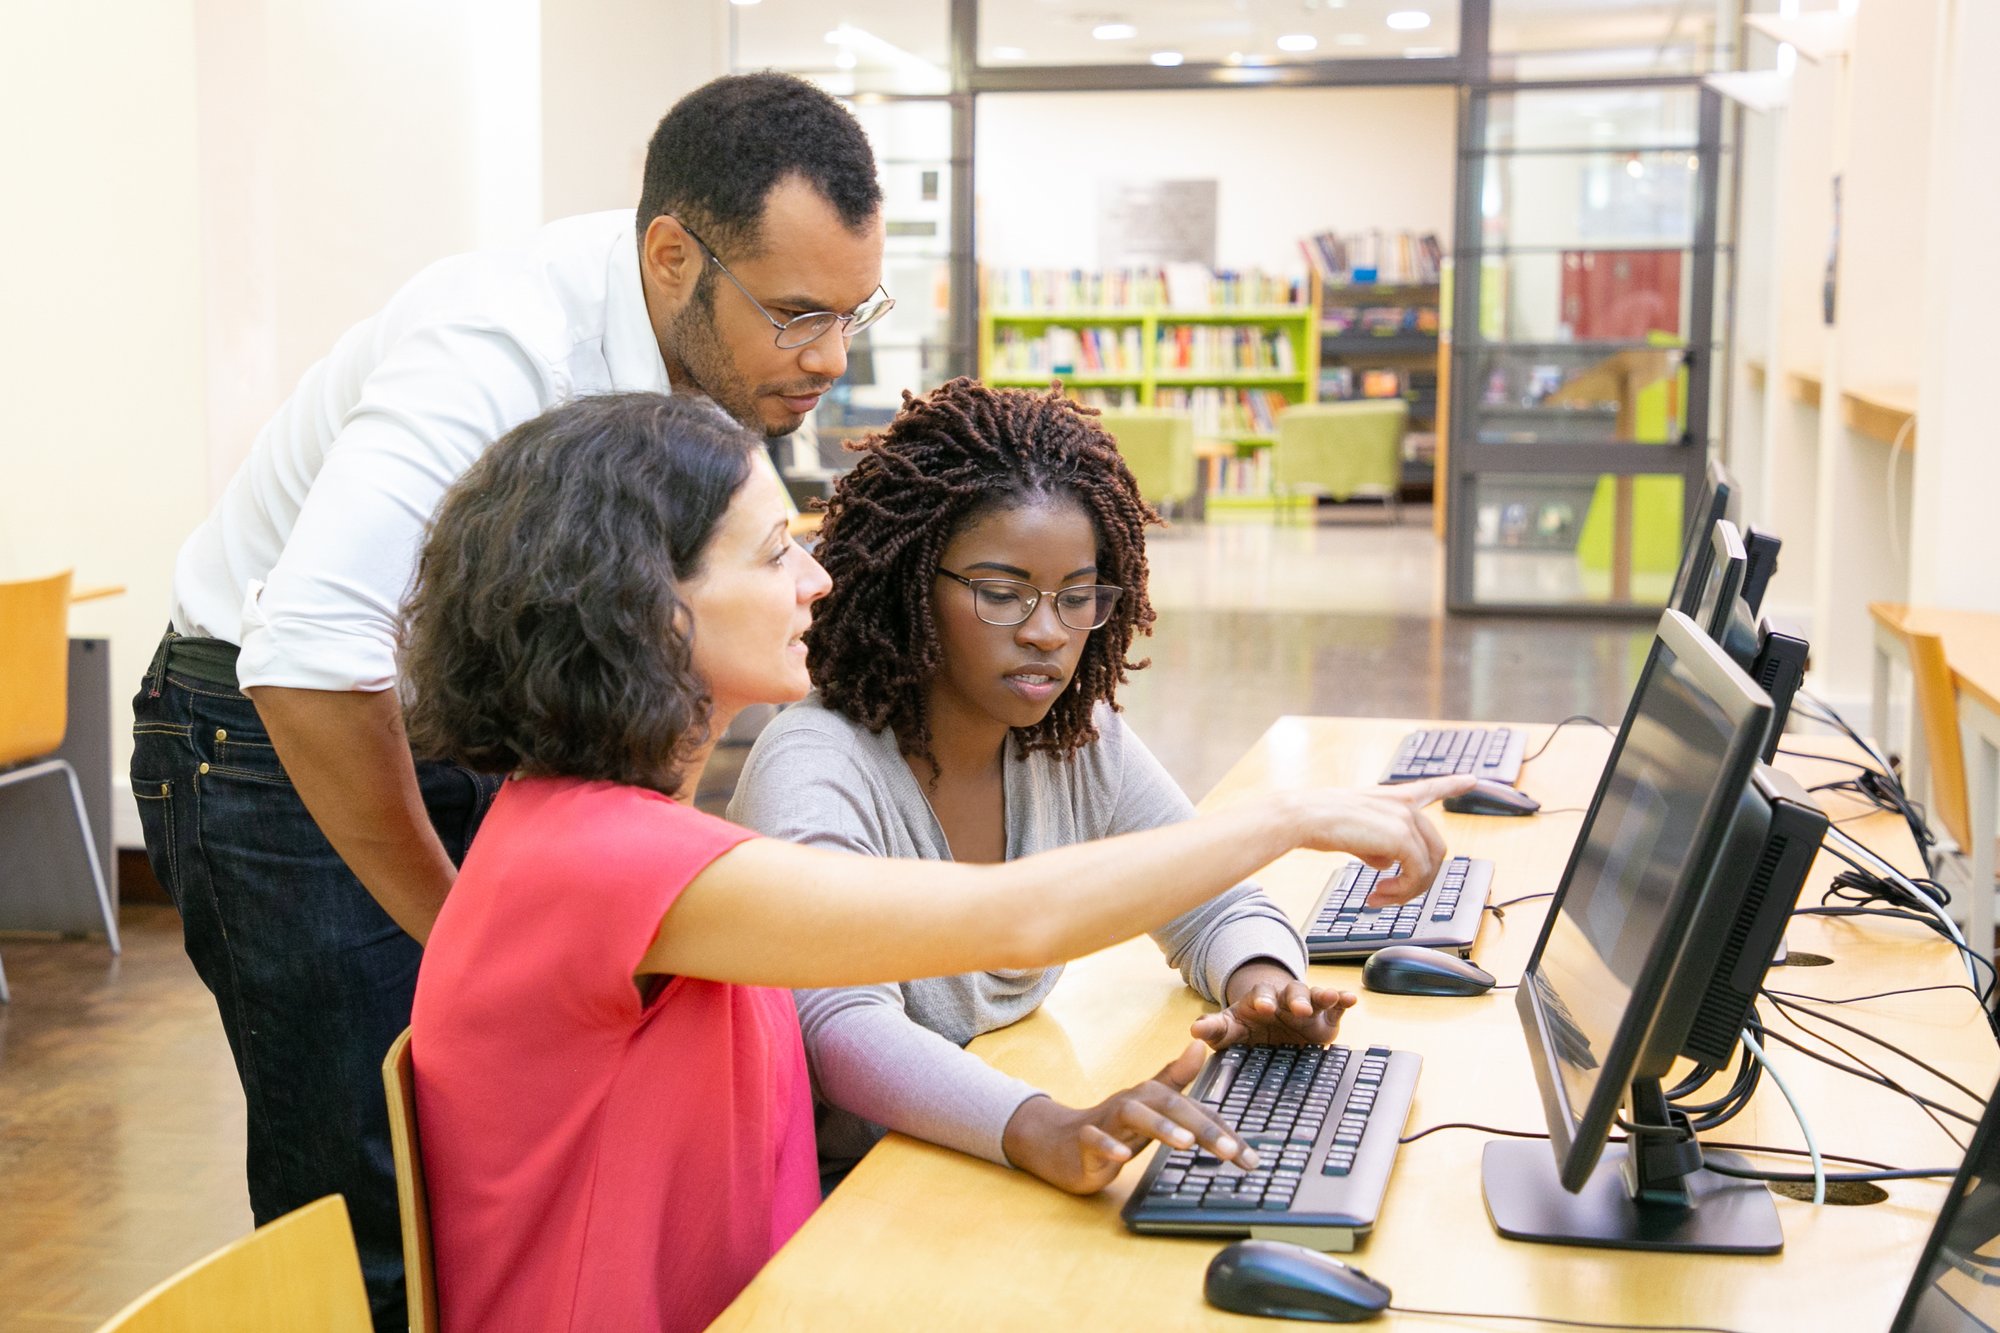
x=947, y=458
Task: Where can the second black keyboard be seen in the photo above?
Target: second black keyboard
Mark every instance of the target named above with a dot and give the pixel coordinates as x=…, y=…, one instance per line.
x=1493, y=753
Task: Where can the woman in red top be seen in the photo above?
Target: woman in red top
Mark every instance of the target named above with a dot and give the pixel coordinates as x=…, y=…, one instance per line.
x=617, y=1127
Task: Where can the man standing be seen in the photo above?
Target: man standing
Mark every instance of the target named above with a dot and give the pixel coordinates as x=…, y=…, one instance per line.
x=308, y=855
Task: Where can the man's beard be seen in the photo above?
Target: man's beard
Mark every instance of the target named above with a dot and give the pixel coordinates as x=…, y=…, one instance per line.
x=710, y=369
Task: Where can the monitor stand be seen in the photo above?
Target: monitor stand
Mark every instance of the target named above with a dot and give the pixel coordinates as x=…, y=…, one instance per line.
x=1649, y=1193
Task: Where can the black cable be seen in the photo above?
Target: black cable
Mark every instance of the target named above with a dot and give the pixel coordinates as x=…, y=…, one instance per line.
x=1828, y=758
x=1573, y=717
x=1878, y=995
x=1877, y=1077
x=1567, y=810
x=1524, y=898
x=1831, y=1177
x=1933, y=1071
x=1924, y=1104
x=1551, y=1319
x=1921, y=918
x=1730, y=1147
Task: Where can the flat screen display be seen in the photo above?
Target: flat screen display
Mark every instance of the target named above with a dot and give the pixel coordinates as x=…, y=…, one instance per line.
x=1957, y=1284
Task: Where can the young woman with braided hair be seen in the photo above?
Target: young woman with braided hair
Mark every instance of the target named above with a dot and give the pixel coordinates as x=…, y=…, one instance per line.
x=989, y=575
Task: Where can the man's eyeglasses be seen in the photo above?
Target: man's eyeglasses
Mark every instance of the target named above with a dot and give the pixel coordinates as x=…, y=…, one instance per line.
x=1010, y=602
x=802, y=329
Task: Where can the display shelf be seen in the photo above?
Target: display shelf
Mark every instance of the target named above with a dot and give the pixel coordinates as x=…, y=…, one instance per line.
x=1407, y=354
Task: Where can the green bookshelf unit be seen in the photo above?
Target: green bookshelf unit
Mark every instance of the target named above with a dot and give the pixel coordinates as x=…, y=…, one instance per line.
x=1232, y=367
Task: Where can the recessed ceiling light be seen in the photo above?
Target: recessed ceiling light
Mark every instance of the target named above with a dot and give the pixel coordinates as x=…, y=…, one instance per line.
x=1298, y=41
x=1408, y=20
x=1634, y=167
x=742, y=2
x=1167, y=59
x=839, y=36
x=1113, y=32
x=1007, y=53
x=1235, y=57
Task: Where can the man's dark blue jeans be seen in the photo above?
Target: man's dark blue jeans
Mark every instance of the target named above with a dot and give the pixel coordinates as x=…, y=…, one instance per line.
x=312, y=978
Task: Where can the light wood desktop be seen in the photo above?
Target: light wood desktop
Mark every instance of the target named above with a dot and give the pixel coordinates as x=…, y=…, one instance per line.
x=919, y=1237
x=1971, y=641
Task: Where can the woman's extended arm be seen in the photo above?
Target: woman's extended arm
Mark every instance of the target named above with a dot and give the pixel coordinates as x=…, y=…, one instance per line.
x=768, y=913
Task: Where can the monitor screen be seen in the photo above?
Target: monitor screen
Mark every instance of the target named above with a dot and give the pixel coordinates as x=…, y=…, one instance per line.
x=1956, y=1288
x=1721, y=580
x=1712, y=504
x=1680, y=764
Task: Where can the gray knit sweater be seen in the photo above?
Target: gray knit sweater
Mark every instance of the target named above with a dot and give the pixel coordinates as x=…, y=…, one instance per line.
x=890, y=1056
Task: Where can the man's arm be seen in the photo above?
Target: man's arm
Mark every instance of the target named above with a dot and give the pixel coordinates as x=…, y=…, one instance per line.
x=349, y=761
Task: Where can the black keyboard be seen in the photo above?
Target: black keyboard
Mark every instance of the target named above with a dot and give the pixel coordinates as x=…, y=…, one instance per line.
x=1488, y=753
x=1445, y=916
x=1324, y=1121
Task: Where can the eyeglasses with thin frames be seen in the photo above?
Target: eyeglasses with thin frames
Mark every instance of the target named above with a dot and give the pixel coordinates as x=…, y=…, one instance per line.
x=802, y=329
x=1007, y=602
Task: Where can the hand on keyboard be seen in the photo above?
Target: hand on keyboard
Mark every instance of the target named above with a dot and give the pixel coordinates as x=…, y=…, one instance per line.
x=1274, y=1011
x=1384, y=826
x=1082, y=1149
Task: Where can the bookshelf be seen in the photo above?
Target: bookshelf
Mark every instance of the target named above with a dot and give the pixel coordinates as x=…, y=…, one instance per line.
x=1232, y=361
x=1380, y=340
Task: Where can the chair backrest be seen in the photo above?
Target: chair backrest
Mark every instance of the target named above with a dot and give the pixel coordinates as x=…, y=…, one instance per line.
x=419, y=1269
x=34, y=667
x=1158, y=446
x=1937, y=713
x=1340, y=448
x=298, y=1273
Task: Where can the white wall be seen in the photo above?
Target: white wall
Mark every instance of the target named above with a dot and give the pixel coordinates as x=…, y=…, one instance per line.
x=103, y=455
x=609, y=71
x=1289, y=162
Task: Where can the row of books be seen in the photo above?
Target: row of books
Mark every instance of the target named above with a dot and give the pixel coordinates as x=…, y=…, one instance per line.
x=1226, y=413
x=1064, y=351
x=1224, y=347
x=1344, y=258
x=1338, y=383
x=1238, y=476
x=1379, y=320
x=1106, y=400
x=1175, y=286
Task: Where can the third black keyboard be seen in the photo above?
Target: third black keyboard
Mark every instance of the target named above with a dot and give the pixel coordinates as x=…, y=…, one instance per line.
x=1483, y=752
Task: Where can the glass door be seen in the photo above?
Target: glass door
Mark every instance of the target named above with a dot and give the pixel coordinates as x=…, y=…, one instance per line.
x=1583, y=310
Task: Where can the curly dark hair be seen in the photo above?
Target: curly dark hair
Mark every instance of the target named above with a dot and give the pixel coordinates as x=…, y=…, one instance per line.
x=545, y=631
x=717, y=154
x=946, y=459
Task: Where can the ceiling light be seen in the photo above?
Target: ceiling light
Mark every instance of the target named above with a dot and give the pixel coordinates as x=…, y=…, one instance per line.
x=1007, y=53
x=1113, y=32
x=1167, y=59
x=839, y=36
x=1235, y=57
x=1408, y=20
x=1298, y=41
x=742, y=2
x=1634, y=167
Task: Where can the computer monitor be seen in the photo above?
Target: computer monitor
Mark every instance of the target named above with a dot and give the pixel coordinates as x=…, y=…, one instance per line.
x=1687, y=864
x=1956, y=1287
x=1721, y=580
x=1712, y=504
x=1761, y=548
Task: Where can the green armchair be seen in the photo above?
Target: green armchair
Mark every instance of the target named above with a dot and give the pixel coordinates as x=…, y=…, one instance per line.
x=1158, y=445
x=1343, y=450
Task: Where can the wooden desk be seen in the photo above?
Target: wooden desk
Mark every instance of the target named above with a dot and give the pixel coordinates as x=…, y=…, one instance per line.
x=1972, y=650
x=923, y=1238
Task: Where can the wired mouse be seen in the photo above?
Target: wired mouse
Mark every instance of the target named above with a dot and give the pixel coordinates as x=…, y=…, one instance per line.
x=1487, y=797
x=1284, y=1281
x=1411, y=969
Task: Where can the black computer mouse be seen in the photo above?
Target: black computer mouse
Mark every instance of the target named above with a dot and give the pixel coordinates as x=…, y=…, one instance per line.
x=1410, y=969
x=1285, y=1281
x=1487, y=797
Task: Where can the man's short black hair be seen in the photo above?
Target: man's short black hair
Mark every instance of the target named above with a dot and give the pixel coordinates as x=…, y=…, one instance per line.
x=718, y=152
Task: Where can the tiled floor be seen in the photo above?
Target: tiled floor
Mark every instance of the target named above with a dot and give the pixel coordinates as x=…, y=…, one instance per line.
x=120, y=1122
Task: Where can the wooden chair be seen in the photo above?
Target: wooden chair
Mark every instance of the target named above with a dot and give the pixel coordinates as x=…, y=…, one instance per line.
x=1937, y=713
x=34, y=707
x=419, y=1270
x=300, y=1274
